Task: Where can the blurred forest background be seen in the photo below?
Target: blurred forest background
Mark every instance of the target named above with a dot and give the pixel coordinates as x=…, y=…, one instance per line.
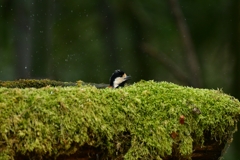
x=194, y=43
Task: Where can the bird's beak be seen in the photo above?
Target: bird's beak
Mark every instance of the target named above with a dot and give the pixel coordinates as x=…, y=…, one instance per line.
x=128, y=77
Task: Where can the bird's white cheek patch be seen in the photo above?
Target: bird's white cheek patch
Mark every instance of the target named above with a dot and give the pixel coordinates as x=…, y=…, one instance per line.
x=118, y=81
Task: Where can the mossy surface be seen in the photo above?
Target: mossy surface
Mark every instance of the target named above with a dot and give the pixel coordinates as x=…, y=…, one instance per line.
x=36, y=83
x=39, y=83
x=139, y=121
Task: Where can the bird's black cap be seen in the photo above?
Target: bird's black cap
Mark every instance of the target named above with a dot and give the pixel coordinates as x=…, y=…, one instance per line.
x=118, y=79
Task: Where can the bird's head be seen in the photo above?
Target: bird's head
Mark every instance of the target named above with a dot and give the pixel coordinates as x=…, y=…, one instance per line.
x=118, y=79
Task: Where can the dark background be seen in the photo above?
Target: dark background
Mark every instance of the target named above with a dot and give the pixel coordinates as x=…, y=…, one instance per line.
x=194, y=43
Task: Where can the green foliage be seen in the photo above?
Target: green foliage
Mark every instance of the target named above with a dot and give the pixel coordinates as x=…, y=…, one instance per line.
x=136, y=121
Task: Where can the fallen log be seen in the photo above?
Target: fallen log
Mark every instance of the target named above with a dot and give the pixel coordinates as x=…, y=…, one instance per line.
x=147, y=120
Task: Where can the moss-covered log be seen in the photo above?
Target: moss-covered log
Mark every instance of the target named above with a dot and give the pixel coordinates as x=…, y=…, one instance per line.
x=147, y=120
x=39, y=83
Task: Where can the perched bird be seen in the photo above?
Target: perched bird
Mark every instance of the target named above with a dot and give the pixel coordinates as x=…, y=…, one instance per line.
x=118, y=79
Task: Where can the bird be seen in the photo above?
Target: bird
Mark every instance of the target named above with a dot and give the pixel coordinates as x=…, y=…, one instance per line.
x=118, y=79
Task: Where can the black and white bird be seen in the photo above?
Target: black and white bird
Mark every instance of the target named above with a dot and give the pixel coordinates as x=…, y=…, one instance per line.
x=118, y=79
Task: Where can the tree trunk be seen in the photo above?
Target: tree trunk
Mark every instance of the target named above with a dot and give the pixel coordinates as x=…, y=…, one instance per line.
x=108, y=29
x=22, y=38
x=235, y=50
x=41, y=38
x=190, y=53
x=138, y=38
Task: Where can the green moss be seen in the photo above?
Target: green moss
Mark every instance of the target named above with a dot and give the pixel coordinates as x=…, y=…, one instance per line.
x=136, y=121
